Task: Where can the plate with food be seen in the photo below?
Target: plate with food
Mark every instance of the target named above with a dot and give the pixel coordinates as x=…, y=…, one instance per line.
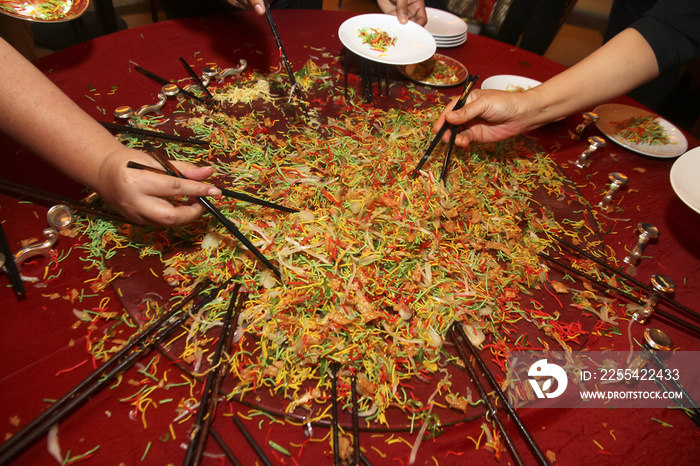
x=383, y=39
x=46, y=11
x=439, y=71
x=684, y=180
x=509, y=82
x=640, y=131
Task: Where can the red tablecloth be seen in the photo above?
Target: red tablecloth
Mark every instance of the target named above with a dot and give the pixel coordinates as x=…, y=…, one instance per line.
x=40, y=338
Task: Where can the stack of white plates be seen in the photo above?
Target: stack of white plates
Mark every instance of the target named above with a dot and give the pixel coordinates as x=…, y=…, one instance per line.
x=448, y=30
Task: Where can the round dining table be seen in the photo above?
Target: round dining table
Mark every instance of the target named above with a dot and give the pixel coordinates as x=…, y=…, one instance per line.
x=45, y=345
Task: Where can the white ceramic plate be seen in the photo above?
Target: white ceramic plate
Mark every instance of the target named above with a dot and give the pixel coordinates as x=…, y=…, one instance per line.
x=450, y=45
x=451, y=42
x=53, y=11
x=444, y=24
x=413, y=43
x=509, y=82
x=424, y=73
x=609, y=114
x=684, y=178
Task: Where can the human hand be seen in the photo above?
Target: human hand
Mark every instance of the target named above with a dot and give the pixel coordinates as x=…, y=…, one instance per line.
x=488, y=116
x=257, y=5
x=141, y=196
x=405, y=10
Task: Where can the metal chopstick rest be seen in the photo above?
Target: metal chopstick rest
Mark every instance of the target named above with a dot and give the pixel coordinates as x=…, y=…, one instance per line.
x=162, y=80
x=196, y=78
x=618, y=291
x=627, y=277
x=657, y=340
x=53, y=199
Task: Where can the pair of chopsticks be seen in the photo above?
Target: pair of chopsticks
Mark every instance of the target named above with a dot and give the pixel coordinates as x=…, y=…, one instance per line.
x=139, y=346
x=692, y=410
x=627, y=277
x=469, y=85
x=53, y=199
x=172, y=171
x=196, y=78
x=224, y=191
x=283, y=54
x=604, y=285
x=207, y=406
x=184, y=92
x=152, y=134
x=10, y=265
x=358, y=457
x=202, y=428
x=461, y=340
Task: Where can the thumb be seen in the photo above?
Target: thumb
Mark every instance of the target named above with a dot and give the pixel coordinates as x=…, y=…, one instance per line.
x=474, y=108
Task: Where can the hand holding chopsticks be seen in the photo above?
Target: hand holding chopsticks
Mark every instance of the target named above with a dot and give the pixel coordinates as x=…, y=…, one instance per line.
x=224, y=191
x=172, y=171
x=471, y=81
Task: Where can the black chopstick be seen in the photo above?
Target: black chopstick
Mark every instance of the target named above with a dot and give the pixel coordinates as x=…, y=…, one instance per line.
x=469, y=85
x=618, y=291
x=283, y=54
x=627, y=277
x=93, y=383
x=170, y=168
x=152, y=134
x=207, y=405
x=334, y=411
x=196, y=78
x=524, y=432
x=448, y=155
x=53, y=199
x=10, y=264
x=224, y=448
x=164, y=81
x=484, y=396
x=224, y=191
x=355, y=420
x=251, y=441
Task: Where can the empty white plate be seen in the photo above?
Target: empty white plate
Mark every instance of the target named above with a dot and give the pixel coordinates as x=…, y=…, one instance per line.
x=444, y=24
x=684, y=178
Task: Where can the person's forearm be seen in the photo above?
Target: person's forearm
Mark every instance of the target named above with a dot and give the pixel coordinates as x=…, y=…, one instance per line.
x=47, y=122
x=623, y=64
